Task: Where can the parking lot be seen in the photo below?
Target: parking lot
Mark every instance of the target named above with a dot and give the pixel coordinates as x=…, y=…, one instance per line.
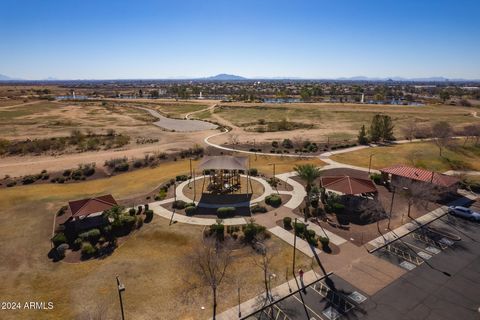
x=325, y=299
x=418, y=247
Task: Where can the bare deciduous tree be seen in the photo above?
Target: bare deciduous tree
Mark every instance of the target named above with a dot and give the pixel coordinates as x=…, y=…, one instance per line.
x=210, y=260
x=410, y=130
x=442, y=133
x=415, y=193
x=233, y=138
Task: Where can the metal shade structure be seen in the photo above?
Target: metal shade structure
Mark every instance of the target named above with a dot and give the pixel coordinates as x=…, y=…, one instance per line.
x=348, y=185
x=223, y=163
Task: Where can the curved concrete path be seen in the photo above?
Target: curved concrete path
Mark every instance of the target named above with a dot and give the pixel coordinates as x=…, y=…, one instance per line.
x=181, y=125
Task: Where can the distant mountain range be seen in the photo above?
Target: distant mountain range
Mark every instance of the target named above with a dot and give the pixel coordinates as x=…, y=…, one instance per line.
x=7, y=78
x=232, y=77
x=225, y=77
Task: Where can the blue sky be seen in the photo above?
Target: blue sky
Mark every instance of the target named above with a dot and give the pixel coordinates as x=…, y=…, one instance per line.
x=264, y=38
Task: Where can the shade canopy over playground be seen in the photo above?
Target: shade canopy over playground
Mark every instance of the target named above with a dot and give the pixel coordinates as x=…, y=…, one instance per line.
x=348, y=185
x=223, y=163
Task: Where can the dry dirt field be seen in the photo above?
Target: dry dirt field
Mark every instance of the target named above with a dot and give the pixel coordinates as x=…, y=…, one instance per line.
x=334, y=122
x=152, y=264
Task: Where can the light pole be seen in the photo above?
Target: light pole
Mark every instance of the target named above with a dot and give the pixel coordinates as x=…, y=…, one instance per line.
x=370, y=162
x=121, y=288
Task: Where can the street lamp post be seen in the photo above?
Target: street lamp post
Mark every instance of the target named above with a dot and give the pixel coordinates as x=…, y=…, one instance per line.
x=121, y=288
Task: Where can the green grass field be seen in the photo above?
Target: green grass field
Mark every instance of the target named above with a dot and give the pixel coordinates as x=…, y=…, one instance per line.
x=421, y=154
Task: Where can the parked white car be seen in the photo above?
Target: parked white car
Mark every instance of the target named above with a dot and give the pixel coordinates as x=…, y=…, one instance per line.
x=465, y=213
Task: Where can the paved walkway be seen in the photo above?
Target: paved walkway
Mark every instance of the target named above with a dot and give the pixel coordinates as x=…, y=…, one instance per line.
x=182, y=125
x=462, y=172
x=288, y=237
x=335, y=239
x=298, y=193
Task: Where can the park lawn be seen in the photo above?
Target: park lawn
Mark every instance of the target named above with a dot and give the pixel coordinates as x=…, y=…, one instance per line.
x=419, y=154
x=152, y=263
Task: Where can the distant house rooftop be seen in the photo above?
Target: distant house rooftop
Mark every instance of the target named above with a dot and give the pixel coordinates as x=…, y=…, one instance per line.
x=85, y=207
x=422, y=175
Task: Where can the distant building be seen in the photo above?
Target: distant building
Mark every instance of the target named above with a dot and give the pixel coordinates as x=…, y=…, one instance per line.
x=400, y=172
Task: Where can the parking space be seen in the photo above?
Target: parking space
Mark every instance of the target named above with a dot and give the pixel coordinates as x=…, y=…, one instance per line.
x=416, y=248
x=326, y=299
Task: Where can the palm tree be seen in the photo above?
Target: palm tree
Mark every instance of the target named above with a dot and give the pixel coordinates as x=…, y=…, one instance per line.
x=308, y=173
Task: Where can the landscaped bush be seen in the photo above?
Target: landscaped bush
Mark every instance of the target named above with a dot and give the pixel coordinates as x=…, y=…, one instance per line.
x=61, y=211
x=225, y=212
x=94, y=235
x=273, y=200
x=28, y=179
x=287, y=223
x=148, y=215
x=310, y=237
x=251, y=231
x=275, y=144
x=124, y=224
x=287, y=143
x=324, y=241
x=299, y=229
x=258, y=209
x=182, y=177
x=88, y=249
x=190, y=211
x=218, y=230
x=376, y=177
x=140, y=209
x=179, y=204
x=77, y=244
x=132, y=211
x=253, y=172
x=61, y=250
x=121, y=167
x=58, y=239
x=337, y=207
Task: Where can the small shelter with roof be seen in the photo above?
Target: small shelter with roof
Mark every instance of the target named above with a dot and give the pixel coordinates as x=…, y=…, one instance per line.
x=87, y=213
x=347, y=185
x=224, y=173
x=401, y=172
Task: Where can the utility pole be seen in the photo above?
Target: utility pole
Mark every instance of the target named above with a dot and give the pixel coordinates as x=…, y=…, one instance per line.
x=191, y=176
x=121, y=288
x=391, y=207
